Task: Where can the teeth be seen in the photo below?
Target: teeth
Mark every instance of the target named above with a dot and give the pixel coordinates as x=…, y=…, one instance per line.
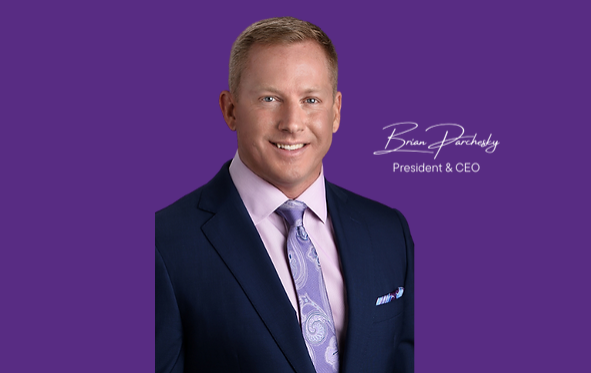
x=289, y=147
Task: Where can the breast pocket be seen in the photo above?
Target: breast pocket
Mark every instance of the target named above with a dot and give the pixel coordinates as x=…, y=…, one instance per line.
x=389, y=310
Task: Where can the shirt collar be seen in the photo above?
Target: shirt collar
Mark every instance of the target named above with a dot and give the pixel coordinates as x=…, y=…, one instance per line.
x=262, y=198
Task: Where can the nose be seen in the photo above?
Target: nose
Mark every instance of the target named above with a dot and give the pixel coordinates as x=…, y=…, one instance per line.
x=292, y=117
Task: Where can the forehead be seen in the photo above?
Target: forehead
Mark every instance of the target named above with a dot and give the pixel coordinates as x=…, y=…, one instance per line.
x=287, y=63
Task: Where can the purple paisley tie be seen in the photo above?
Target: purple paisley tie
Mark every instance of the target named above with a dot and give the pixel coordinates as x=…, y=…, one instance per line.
x=316, y=317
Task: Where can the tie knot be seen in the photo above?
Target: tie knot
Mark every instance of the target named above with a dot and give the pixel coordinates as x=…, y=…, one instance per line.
x=293, y=212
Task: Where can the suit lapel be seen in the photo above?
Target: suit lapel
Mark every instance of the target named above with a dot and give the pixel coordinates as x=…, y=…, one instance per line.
x=235, y=238
x=355, y=252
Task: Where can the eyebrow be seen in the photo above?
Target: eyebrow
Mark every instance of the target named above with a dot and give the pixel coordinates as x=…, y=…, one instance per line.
x=275, y=90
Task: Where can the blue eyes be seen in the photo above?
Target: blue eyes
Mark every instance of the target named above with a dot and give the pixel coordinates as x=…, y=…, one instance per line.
x=307, y=101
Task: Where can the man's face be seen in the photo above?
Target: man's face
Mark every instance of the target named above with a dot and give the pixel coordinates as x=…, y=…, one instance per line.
x=285, y=114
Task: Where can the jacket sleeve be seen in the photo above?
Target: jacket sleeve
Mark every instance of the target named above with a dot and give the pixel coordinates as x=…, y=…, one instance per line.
x=404, y=354
x=169, y=331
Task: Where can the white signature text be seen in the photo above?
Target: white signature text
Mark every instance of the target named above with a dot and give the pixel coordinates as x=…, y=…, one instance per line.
x=456, y=137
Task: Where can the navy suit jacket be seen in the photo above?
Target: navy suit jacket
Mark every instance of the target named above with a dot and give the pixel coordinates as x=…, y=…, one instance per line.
x=221, y=307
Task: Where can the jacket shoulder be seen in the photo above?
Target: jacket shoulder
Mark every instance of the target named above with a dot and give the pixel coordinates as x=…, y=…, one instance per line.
x=180, y=218
x=370, y=209
x=181, y=206
x=195, y=208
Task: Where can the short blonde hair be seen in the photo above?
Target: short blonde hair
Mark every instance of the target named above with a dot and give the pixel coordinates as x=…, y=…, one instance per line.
x=280, y=30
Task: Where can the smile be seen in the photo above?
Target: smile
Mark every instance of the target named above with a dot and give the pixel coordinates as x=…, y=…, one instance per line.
x=289, y=147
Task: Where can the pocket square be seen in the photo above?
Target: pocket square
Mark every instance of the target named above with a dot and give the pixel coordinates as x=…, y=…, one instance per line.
x=390, y=296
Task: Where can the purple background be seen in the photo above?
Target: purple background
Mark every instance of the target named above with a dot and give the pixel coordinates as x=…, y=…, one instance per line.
x=109, y=112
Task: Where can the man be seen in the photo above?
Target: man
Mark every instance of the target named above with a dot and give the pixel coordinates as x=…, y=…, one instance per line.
x=240, y=286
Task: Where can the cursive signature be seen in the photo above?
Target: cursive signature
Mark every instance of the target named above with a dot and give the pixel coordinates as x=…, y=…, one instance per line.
x=458, y=140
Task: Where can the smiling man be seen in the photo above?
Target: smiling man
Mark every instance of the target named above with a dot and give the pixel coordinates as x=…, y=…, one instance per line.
x=284, y=112
x=269, y=267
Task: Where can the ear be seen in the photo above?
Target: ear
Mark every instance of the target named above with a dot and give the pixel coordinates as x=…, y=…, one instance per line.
x=337, y=111
x=228, y=109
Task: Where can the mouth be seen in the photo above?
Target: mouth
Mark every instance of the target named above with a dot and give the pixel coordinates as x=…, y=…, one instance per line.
x=289, y=147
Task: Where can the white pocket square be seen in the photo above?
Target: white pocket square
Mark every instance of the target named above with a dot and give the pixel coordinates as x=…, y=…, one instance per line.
x=390, y=296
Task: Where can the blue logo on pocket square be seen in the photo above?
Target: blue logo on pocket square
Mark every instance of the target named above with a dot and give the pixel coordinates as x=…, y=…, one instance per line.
x=390, y=296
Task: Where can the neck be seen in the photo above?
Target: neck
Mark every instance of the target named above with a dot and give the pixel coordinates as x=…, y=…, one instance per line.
x=294, y=192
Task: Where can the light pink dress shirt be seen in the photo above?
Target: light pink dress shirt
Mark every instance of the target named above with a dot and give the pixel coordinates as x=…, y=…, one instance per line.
x=261, y=200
